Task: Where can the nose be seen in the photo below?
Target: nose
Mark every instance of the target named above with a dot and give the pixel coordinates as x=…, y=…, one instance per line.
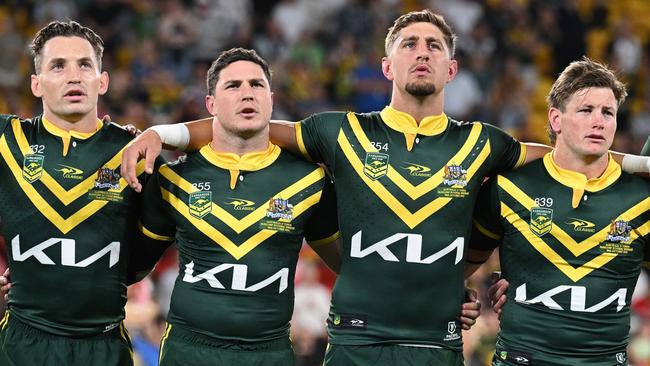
x=246, y=92
x=74, y=74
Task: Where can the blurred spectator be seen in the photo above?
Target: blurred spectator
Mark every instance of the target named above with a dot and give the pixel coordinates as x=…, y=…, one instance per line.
x=312, y=300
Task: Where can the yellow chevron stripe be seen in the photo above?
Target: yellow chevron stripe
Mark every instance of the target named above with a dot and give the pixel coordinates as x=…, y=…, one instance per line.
x=237, y=251
x=67, y=196
x=410, y=219
x=64, y=225
x=240, y=225
x=415, y=192
x=576, y=248
x=575, y=274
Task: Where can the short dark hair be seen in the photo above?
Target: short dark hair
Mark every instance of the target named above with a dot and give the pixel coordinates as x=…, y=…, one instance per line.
x=230, y=56
x=65, y=29
x=422, y=16
x=580, y=75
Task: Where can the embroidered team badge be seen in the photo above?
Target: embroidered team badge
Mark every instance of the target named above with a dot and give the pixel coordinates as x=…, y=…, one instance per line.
x=278, y=216
x=376, y=165
x=541, y=220
x=200, y=203
x=455, y=175
x=33, y=167
x=107, y=186
x=107, y=179
x=619, y=232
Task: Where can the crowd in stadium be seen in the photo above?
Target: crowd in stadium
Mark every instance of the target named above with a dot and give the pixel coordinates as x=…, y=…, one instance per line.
x=325, y=55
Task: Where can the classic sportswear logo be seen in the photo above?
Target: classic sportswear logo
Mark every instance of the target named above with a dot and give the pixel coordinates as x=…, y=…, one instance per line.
x=581, y=225
x=70, y=172
x=417, y=170
x=241, y=204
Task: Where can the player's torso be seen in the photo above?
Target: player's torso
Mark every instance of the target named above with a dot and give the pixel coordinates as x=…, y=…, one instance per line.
x=404, y=218
x=68, y=222
x=238, y=246
x=572, y=271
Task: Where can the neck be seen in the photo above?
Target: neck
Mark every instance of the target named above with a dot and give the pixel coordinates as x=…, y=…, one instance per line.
x=226, y=142
x=83, y=124
x=589, y=166
x=418, y=107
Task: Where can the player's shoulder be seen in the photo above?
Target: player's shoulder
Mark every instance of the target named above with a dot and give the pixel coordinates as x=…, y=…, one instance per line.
x=635, y=183
x=7, y=119
x=328, y=117
x=117, y=132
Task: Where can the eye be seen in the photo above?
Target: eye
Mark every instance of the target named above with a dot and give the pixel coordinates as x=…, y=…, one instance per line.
x=434, y=45
x=57, y=66
x=409, y=44
x=86, y=65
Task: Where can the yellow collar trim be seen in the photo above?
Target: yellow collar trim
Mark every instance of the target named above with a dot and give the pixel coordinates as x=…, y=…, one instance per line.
x=406, y=124
x=578, y=181
x=248, y=162
x=58, y=131
x=66, y=136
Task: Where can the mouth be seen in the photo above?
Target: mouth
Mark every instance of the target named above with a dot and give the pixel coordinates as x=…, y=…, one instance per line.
x=595, y=138
x=248, y=112
x=74, y=95
x=421, y=69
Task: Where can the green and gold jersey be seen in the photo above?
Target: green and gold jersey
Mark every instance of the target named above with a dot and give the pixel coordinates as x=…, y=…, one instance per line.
x=646, y=148
x=571, y=249
x=238, y=225
x=405, y=194
x=69, y=220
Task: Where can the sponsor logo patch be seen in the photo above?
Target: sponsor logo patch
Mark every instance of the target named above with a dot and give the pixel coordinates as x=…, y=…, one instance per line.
x=33, y=167
x=70, y=172
x=417, y=170
x=240, y=204
x=376, y=165
x=581, y=225
x=452, y=331
x=516, y=357
x=354, y=321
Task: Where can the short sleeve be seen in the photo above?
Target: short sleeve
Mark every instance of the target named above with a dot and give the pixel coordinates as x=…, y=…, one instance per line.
x=487, y=231
x=506, y=152
x=322, y=227
x=156, y=221
x=5, y=121
x=317, y=135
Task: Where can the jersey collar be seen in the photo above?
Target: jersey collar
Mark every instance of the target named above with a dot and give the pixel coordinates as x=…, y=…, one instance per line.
x=66, y=136
x=406, y=124
x=249, y=162
x=236, y=163
x=578, y=181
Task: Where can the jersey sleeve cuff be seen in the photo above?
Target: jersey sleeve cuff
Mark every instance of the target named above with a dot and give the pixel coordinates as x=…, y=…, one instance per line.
x=330, y=239
x=301, y=142
x=522, y=155
x=153, y=235
x=485, y=231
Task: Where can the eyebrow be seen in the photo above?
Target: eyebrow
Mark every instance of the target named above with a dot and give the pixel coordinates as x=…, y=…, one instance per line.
x=240, y=81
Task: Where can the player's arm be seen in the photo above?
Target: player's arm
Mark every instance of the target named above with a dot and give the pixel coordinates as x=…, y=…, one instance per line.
x=486, y=228
x=188, y=136
x=329, y=252
x=144, y=257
